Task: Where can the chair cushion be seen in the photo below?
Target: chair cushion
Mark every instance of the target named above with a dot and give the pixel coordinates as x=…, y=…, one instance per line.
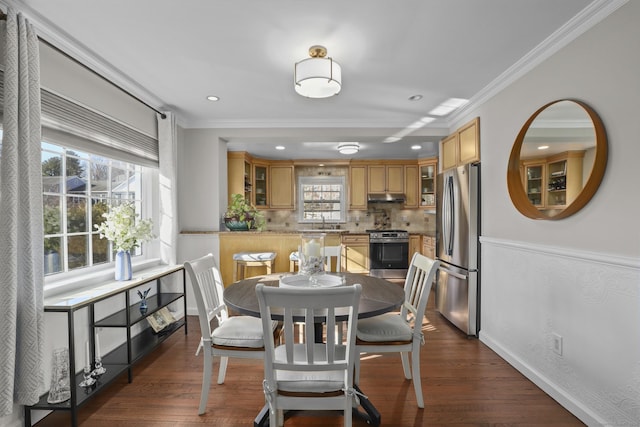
x=294, y=256
x=386, y=327
x=254, y=256
x=240, y=331
x=310, y=381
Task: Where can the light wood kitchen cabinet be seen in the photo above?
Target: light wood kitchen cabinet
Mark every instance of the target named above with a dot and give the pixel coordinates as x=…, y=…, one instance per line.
x=429, y=247
x=427, y=180
x=386, y=179
x=462, y=146
x=411, y=186
x=281, y=189
x=358, y=187
x=239, y=174
x=415, y=244
x=355, y=253
x=553, y=182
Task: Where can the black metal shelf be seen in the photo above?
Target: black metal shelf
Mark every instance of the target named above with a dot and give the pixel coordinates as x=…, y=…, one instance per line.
x=123, y=357
x=154, y=303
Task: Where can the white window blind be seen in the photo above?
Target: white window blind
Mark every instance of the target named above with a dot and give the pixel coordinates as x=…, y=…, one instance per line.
x=68, y=122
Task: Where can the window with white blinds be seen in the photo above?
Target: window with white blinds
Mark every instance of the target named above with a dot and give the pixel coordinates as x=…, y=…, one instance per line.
x=68, y=123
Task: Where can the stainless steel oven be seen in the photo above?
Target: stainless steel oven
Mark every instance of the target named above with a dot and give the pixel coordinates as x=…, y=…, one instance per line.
x=388, y=253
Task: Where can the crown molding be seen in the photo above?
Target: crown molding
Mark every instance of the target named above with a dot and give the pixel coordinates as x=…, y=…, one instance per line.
x=572, y=29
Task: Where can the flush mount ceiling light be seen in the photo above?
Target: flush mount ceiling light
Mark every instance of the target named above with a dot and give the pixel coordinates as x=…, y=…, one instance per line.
x=318, y=76
x=348, y=147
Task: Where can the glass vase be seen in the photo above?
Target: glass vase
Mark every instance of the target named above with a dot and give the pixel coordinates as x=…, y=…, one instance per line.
x=123, y=266
x=60, y=389
x=312, y=254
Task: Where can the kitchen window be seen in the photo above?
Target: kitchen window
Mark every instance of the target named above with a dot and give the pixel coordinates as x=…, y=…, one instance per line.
x=322, y=199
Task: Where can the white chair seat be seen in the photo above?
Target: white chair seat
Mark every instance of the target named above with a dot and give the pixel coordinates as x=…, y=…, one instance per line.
x=294, y=256
x=386, y=327
x=240, y=331
x=254, y=256
x=309, y=381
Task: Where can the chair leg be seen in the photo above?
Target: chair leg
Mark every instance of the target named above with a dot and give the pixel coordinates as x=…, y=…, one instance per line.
x=417, y=381
x=348, y=412
x=206, y=381
x=356, y=369
x=223, y=369
x=405, y=364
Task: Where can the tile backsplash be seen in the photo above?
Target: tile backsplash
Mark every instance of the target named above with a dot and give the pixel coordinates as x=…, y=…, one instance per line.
x=387, y=215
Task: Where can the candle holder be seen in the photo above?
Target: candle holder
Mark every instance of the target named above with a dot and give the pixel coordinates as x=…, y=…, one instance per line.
x=99, y=370
x=312, y=254
x=89, y=381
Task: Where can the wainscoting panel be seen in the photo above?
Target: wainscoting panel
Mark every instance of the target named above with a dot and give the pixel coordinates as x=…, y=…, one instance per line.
x=570, y=322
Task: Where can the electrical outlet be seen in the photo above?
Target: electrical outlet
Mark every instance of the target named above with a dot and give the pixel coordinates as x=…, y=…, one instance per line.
x=557, y=343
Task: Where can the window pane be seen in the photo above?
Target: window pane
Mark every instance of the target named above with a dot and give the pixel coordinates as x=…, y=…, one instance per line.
x=100, y=249
x=53, y=260
x=52, y=214
x=76, y=175
x=51, y=172
x=78, y=250
x=76, y=214
x=119, y=183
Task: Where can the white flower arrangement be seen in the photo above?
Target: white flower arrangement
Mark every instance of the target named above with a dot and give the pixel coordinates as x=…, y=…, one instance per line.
x=120, y=227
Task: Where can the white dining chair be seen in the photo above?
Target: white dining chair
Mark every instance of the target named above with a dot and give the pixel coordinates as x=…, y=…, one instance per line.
x=402, y=331
x=315, y=374
x=332, y=256
x=231, y=336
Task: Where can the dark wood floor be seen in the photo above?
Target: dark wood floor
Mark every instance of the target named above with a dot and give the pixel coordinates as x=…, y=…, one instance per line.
x=464, y=383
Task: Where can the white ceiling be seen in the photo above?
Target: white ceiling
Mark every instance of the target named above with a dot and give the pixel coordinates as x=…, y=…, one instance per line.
x=172, y=54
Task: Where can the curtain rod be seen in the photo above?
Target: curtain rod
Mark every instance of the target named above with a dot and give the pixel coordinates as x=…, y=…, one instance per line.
x=3, y=17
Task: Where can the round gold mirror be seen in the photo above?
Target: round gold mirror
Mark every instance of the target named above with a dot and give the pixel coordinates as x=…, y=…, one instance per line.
x=557, y=161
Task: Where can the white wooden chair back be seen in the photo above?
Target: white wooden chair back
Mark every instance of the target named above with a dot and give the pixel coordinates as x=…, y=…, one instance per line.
x=332, y=253
x=417, y=285
x=309, y=371
x=208, y=288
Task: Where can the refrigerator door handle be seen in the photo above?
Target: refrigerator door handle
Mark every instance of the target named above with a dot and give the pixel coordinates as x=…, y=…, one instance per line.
x=447, y=216
x=452, y=273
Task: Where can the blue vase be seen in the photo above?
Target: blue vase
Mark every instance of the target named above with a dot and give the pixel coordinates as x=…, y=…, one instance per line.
x=123, y=265
x=143, y=306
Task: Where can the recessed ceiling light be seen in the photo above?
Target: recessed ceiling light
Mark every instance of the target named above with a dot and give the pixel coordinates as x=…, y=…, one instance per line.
x=213, y=98
x=279, y=147
x=415, y=97
x=543, y=147
x=416, y=147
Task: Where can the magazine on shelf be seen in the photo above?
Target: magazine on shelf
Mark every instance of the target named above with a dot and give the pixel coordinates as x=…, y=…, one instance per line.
x=161, y=319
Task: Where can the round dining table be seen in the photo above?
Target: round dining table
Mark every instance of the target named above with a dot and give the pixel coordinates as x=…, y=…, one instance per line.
x=378, y=296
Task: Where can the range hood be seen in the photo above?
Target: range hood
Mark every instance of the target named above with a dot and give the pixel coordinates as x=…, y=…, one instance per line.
x=386, y=198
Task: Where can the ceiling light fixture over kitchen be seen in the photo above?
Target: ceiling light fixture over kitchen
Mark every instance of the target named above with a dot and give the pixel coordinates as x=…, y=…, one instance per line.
x=348, y=147
x=319, y=76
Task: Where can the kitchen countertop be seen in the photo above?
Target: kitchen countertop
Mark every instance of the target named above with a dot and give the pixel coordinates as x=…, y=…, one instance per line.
x=423, y=233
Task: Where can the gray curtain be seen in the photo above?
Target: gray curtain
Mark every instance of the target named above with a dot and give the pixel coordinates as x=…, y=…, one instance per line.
x=167, y=153
x=21, y=231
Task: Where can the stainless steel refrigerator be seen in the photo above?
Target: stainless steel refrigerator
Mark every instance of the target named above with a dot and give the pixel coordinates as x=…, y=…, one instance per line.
x=457, y=245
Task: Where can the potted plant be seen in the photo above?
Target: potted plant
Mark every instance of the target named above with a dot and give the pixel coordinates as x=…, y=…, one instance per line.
x=125, y=234
x=242, y=215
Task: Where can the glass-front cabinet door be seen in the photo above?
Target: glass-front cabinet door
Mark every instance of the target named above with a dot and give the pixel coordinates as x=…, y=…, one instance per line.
x=428, y=184
x=260, y=185
x=534, y=183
